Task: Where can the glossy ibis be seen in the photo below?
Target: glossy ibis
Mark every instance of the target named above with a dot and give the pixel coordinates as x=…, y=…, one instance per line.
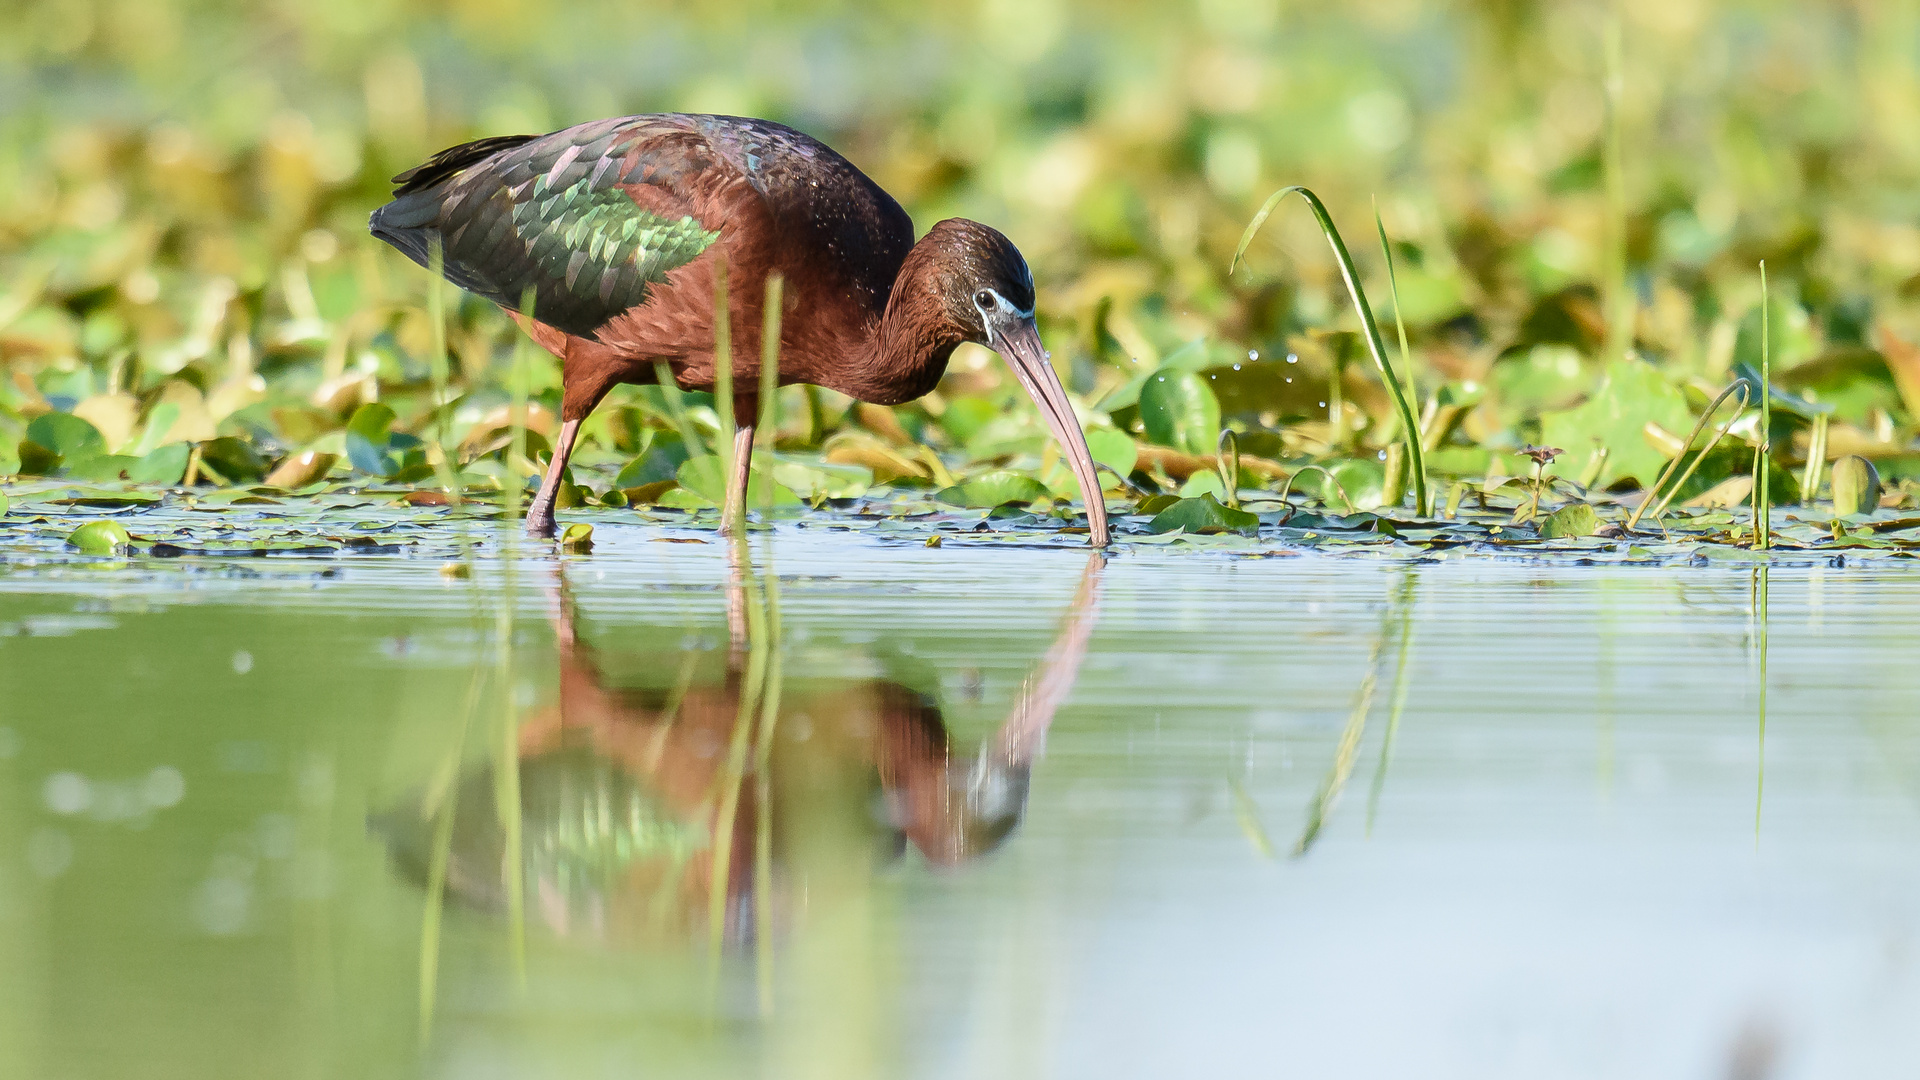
x=613, y=230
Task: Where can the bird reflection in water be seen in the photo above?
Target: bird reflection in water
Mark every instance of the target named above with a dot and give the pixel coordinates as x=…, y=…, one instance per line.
x=627, y=794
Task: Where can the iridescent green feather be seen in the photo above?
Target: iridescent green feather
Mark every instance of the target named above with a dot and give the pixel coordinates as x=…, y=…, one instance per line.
x=611, y=232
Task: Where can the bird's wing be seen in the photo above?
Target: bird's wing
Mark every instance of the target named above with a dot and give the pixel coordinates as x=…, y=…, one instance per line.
x=586, y=219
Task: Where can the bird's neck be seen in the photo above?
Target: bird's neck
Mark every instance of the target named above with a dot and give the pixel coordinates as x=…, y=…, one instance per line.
x=915, y=336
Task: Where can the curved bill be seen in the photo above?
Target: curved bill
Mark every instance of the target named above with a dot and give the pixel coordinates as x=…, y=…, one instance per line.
x=1028, y=359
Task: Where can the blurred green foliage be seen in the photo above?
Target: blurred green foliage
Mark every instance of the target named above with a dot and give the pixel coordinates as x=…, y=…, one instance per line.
x=184, y=262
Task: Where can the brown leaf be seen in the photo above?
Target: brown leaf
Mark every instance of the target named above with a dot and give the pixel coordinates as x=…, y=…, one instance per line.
x=1903, y=359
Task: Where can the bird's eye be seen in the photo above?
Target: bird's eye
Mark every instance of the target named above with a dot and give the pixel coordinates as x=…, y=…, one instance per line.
x=983, y=298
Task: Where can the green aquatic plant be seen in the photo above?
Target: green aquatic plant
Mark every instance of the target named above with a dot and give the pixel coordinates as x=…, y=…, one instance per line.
x=106, y=537
x=1762, y=455
x=1661, y=493
x=1410, y=427
x=1856, y=486
x=1812, y=475
x=1400, y=328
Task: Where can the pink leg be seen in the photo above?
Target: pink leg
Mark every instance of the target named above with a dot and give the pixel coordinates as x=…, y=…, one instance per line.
x=737, y=483
x=540, y=515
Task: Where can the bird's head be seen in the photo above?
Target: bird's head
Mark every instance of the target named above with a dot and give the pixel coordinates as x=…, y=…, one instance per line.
x=987, y=292
x=986, y=287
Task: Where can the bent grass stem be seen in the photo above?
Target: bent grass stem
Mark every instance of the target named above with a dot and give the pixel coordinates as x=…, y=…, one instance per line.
x=1409, y=424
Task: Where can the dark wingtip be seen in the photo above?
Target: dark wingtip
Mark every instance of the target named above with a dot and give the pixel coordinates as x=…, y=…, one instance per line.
x=446, y=163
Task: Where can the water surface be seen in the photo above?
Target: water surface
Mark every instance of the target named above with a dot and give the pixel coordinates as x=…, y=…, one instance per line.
x=1185, y=814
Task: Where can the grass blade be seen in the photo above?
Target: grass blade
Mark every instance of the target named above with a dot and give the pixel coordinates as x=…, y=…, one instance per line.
x=1653, y=498
x=439, y=370
x=1762, y=476
x=1410, y=426
x=1399, y=323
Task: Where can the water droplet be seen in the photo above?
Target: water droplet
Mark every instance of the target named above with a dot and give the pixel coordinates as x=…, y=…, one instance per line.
x=1253, y=354
x=242, y=662
x=1292, y=358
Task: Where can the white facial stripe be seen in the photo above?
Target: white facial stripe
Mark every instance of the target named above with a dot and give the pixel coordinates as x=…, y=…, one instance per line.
x=1001, y=306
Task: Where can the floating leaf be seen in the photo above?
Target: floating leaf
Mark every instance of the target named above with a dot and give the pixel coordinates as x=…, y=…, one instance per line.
x=660, y=461
x=648, y=493
x=369, y=433
x=159, y=420
x=66, y=435
x=166, y=465
x=577, y=538
x=1179, y=410
x=105, y=537
x=1114, y=449
x=1573, y=519
x=1204, y=482
x=823, y=480
x=997, y=488
x=700, y=477
x=1204, y=515
x=297, y=470
x=1616, y=417
x=232, y=460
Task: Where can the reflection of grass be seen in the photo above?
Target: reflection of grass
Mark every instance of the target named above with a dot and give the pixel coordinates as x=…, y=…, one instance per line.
x=1760, y=617
x=1347, y=750
x=1408, y=583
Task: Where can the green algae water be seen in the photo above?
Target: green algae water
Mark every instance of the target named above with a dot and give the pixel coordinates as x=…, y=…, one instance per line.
x=973, y=810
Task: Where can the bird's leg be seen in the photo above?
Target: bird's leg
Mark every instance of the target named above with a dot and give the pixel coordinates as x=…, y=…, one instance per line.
x=737, y=483
x=737, y=596
x=540, y=513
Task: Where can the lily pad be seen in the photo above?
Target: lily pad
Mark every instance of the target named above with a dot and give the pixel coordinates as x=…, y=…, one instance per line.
x=1574, y=519
x=368, y=434
x=164, y=465
x=701, y=477
x=577, y=538
x=1633, y=396
x=993, y=489
x=1179, y=409
x=1114, y=449
x=67, y=435
x=100, y=538
x=1204, y=515
x=661, y=460
x=648, y=493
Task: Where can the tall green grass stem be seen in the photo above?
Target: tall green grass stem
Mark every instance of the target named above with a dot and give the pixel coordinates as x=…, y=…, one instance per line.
x=1763, y=475
x=1409, y=424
